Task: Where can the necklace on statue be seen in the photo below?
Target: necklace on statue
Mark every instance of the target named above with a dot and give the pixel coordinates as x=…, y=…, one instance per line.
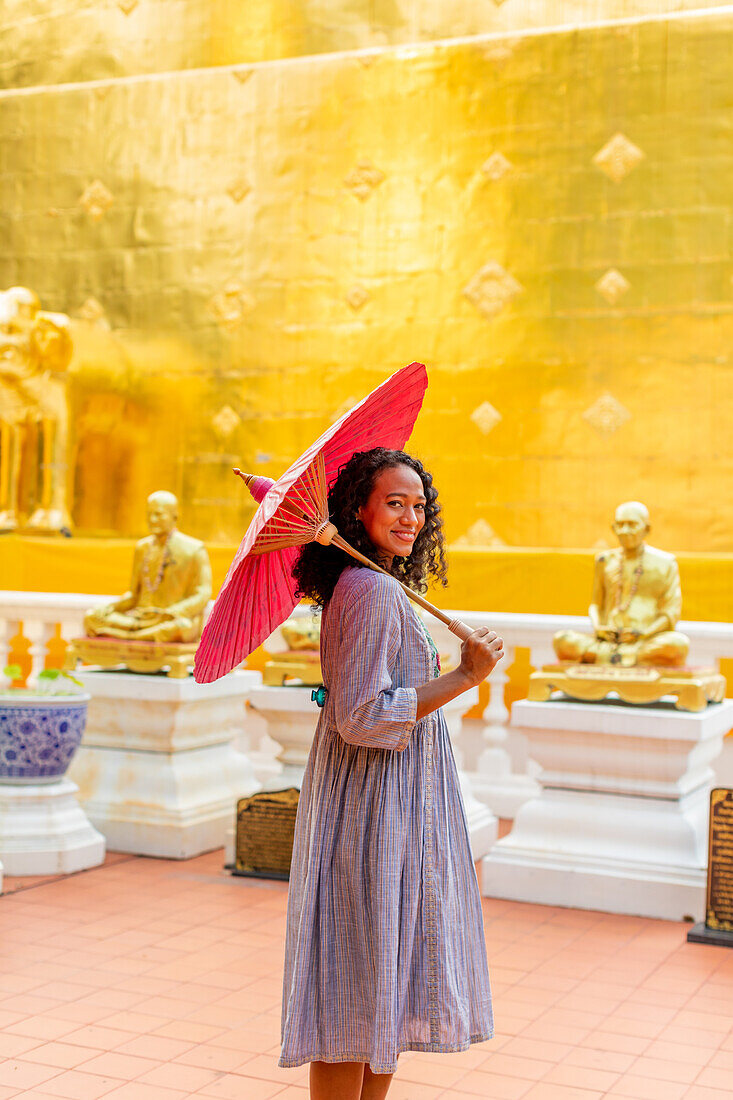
x=148, y=584
x=634, y=588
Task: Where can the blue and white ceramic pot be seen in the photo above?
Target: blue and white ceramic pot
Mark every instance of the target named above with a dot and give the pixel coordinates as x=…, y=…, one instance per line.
x=39, y=734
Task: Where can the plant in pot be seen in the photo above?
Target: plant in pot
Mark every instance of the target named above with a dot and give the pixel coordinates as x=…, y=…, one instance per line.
x=41, y=727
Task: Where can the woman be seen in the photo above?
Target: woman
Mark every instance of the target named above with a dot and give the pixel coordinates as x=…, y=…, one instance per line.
x=384, y=949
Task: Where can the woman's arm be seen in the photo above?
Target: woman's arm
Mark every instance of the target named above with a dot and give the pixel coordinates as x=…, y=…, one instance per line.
x=367, y=708
x=479, y=653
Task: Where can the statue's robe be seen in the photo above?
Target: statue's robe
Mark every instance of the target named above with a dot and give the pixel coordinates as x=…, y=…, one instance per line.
x=658, y=594
x=184, y=590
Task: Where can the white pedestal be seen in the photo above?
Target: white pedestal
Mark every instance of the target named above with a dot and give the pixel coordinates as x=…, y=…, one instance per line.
x=724, y=764
x=504, y=778
x=157, y=769
x=291, y=719
x=620, y=824
x=483, y=825
x=44, y=831
x=497, y=785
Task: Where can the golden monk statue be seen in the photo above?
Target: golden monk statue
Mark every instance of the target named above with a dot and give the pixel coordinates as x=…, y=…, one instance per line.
x=170, y=586
x=635, y=605
x=302, y=634
x=35, y=352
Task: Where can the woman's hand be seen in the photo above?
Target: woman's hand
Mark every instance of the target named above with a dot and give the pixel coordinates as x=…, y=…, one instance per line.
x=479, y=653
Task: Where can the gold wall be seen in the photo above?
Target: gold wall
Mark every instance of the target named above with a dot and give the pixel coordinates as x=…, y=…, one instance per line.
x=64, y=41
x=543, y=218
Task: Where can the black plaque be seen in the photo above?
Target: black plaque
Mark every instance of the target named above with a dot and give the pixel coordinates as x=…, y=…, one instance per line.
x=718, y=925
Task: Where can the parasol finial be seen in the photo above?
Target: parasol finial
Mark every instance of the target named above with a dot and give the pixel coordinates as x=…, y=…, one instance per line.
x=258, y=486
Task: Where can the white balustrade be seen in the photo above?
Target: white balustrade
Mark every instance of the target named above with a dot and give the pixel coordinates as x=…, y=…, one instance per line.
x=493, y=754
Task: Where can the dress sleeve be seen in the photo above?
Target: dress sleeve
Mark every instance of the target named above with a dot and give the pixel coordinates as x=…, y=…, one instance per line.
x=368, y=709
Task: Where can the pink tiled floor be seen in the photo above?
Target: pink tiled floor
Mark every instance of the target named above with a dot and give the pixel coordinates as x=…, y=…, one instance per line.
x=154, y=980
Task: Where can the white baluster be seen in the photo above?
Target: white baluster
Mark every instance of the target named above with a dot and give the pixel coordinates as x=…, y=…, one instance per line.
x=496, y=782
x=8, y=629
x=38, y=632
x=494, y=762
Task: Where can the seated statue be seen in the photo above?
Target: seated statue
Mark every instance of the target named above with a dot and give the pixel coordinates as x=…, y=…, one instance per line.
x=635, y=605
x=170, y=586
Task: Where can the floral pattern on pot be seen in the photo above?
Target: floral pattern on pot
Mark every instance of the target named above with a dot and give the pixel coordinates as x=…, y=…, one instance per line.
x=38, y=738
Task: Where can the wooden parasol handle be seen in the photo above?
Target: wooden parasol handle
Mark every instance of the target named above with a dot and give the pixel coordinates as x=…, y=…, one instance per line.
x=454, y=625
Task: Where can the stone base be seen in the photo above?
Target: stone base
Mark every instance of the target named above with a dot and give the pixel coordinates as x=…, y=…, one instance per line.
x=143, y=657
x=583, y=850
x=44, y=831
x=157, y=769
x=692, y=688
x=503, y=790
x=483, y=825
x=620, y=823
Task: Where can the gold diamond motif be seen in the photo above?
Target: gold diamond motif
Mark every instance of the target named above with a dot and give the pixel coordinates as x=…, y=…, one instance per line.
x=480, y=533
x=239, y=190
x=230, y=304
x=606, y=414
x=491, y=289
x=485, y=417
x=242, y=75
x=612, y=286
x=96, y=200
x=496, y=166
x=92, y=311
x=357, y=297
x=618, y=157
x=127, y=6
x=225, y=421
x=364, y=180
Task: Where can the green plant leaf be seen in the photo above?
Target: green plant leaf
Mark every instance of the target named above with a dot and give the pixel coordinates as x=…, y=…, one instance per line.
x=49, y=674
x=13, y=672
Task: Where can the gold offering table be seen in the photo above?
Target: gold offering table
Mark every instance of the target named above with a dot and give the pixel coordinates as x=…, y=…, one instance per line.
x=146, y=657
x=301, y=665
x=693, y=688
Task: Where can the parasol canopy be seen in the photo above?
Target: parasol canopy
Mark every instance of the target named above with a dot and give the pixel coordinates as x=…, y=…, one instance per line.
x=258, y=593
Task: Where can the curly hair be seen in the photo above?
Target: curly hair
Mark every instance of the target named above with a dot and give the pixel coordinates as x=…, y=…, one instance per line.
x=317, y=568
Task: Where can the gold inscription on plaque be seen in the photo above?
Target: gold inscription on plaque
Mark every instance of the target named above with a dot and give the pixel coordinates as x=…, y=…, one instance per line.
x=719, y=907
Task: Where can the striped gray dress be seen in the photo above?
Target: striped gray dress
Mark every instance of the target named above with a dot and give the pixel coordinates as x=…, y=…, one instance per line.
x=385, y=946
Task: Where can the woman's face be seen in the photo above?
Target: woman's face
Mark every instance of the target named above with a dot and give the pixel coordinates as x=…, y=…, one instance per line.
x=394, y=514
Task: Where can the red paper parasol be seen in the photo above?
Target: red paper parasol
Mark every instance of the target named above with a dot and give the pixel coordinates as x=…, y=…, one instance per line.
x=259, y=590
